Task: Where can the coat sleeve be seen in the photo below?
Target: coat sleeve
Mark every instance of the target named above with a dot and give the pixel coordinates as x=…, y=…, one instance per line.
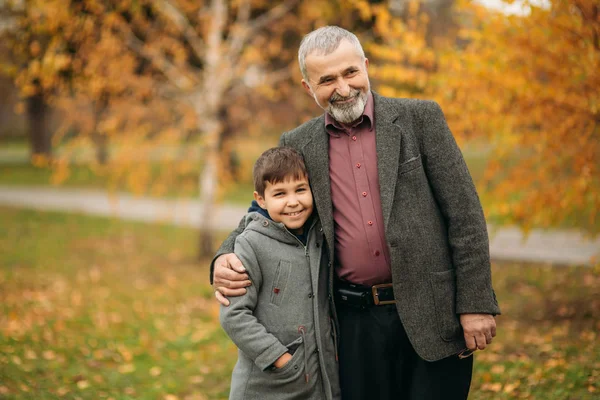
x=238, y=319
x=459, y=203
x=228, y=245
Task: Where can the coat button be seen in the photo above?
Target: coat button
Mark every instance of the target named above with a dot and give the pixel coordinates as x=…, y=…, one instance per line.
x=265, y=223
x=295, y=367
x=310, y=295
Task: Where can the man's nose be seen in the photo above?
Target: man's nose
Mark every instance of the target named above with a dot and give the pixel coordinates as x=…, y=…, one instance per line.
x=343, y=88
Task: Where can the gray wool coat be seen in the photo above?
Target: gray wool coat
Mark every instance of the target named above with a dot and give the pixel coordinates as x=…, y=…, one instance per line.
x=285, y=310
x=434, y=224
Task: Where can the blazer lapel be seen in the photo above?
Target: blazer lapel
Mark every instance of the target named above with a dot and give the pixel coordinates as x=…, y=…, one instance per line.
x=316, y=157
x=388, y=142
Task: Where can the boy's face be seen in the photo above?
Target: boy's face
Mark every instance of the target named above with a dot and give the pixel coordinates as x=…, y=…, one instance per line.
x=290, y=202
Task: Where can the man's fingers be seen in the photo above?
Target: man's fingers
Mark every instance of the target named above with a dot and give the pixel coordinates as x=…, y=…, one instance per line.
x=231, y=292
x=221, y=299
x=493, y=329
x=231, y=284
x=481, y=341
x=471, y=345
x=230, y=278
x=234, y=263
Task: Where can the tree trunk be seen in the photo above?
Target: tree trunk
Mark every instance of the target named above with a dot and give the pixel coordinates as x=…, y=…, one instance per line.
x=208, y=187
x=101, y=142
x=40, y=136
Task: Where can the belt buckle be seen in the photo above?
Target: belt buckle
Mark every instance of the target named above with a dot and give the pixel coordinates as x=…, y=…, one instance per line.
x=376, y=294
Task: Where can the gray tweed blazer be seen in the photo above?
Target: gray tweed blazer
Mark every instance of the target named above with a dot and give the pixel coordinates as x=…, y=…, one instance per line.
x=434, y=223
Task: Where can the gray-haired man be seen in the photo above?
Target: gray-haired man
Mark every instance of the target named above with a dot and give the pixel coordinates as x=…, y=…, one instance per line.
x=411, y=280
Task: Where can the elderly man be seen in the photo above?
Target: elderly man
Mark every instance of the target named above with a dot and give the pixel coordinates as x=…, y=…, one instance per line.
x=410, y=280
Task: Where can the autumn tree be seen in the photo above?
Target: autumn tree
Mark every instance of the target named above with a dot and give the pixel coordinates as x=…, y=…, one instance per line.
x=150, y=75
x=35, y=63
x=530, y=85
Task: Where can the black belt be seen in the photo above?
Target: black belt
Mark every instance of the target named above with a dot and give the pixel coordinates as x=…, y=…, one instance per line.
x=363, y=296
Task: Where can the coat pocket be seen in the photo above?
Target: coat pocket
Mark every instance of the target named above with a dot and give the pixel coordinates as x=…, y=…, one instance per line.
x=295, y=366
x=280, y=282
x=409, y=165
x=443, y=287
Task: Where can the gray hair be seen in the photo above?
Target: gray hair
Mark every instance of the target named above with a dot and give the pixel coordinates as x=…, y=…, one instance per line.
x=324, y=41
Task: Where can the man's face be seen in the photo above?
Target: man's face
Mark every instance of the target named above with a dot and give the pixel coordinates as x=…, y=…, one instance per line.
x=339, y=82
x=290, y=202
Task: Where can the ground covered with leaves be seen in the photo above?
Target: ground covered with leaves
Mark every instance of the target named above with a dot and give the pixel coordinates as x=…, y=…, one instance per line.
x=95, y=308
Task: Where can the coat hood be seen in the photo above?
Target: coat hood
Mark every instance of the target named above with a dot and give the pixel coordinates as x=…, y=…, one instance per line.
x=257, y=222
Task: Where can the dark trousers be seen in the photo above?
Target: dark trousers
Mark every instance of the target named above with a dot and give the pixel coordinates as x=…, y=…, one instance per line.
x=377, y=361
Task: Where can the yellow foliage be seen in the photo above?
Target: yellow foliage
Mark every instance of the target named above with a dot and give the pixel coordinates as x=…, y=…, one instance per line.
x=531, y=86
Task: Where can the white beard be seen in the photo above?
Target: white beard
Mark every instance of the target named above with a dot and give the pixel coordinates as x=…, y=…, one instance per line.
x=346, y=113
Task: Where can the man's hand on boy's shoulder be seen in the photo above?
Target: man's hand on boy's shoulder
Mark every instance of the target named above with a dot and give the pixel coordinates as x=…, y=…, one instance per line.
x=229, y=278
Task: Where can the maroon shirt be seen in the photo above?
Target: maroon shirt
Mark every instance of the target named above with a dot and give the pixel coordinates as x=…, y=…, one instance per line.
x=361, y=251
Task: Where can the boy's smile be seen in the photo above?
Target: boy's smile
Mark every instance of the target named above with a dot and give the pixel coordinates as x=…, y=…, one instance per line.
x=289, y=202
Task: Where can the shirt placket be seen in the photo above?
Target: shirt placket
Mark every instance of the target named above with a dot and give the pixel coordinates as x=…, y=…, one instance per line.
x=365, y=202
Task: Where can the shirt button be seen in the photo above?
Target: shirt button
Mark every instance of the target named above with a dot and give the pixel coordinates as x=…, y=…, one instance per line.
x=358, y=165
x=370, y=222
x=364, y=194
x=376, y=253
x=354, y=138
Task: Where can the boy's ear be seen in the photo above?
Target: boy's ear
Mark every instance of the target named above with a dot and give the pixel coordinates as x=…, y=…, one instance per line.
x=260, y=200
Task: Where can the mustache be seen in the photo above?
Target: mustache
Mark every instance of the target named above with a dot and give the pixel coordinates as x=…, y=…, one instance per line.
x=336, y=97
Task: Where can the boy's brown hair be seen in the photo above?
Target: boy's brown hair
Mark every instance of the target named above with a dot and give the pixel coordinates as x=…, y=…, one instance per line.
x=277, y=165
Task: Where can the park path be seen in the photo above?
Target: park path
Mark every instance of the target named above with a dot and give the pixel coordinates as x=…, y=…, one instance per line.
x=506, y=244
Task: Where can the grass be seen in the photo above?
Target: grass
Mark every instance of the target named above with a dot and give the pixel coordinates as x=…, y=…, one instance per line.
x=96, y=308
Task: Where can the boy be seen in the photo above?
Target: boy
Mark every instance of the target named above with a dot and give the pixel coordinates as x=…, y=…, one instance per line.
x=286, y=342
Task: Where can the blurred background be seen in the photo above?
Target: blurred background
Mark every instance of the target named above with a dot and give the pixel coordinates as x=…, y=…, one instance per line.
x=128, y=131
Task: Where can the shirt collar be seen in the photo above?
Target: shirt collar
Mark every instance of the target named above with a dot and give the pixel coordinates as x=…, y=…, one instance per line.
x=334, y=127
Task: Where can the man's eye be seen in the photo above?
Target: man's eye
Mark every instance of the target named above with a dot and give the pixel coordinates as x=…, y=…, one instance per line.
x=351, y=72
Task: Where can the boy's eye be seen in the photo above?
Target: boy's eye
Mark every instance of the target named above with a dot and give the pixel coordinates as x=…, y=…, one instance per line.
x=301, y=190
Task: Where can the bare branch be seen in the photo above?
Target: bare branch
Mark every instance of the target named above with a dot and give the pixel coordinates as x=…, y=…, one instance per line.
x=183, y=24
x=246, y=30
x=159, y=61
x=272, y=15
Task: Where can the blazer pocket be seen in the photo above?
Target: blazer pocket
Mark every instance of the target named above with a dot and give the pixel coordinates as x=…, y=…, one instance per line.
x=443, y=287
x=280, y=282
x=411, y=164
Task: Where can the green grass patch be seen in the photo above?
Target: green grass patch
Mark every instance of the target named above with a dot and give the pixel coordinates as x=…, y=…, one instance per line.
x=95, y=308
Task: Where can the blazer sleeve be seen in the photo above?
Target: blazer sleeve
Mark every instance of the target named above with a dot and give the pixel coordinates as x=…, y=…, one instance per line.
x=460, y=206
x=238, y=319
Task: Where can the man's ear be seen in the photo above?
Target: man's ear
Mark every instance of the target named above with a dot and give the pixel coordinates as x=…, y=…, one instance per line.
x=306, y=87
x=260, y=200
x=366, y=63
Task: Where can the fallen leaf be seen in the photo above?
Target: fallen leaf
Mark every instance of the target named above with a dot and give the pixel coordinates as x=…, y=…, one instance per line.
x=83, y=384
x=126, y=368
